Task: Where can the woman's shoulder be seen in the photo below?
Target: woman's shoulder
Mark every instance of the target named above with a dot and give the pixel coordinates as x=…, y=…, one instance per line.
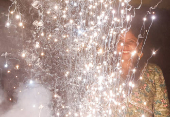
x=152, y=72
x=151, y=67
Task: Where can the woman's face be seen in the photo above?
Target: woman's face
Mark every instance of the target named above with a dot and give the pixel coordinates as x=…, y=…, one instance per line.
x=127, y=45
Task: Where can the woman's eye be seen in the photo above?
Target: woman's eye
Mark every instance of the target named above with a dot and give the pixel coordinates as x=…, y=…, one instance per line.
x=131, y=41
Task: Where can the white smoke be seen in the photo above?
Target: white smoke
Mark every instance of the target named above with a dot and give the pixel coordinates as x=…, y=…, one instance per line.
x=32, y=101
x=2, y=96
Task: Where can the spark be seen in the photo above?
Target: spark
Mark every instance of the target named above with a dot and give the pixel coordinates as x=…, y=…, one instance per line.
x=133, y=53
x=153, y=53
x=17, y=66
x=12, y=12
x=20, y=24
x=17, y=16
x=144, y=19
x=73, y=45
x=23, y=55
x=31, y=82
x=8, y=24
x=42, y=54
x=153, y=17
x=6, y=65
x=56, y=7
x=42, y=34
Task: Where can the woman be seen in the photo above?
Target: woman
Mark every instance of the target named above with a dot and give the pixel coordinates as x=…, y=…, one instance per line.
x=133, y=92
x=149, y=96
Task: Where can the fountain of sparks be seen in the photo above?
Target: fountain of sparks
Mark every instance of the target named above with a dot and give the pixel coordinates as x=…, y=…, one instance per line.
x=70, y=47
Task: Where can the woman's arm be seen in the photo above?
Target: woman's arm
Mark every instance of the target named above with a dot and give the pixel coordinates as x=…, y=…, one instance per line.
x=161, y=102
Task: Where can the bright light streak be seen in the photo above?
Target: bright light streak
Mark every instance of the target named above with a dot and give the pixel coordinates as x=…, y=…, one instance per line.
x=55, y=7
x=71, y=21
x=42, y=34
x=153, y=53
x=144, y=19
x=17, y=16
x=7, y=24
x=23, y=55
x=17, y=66
x=31, y=82
x=42, y=54
x=20, y=24
x=153, y=17
x=6, y=65
x=133, y=53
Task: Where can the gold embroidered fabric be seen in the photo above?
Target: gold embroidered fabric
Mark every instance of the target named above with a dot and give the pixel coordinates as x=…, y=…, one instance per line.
x=150, y=97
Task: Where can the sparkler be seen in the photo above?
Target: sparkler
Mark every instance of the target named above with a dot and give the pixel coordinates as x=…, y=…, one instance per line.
x=70, y=49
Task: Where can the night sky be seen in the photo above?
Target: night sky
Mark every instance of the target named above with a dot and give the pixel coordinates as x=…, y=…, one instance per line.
x=159, y=38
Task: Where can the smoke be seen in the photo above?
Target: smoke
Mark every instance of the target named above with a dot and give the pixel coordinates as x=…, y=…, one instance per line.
x=32, y=101
x=2, y=96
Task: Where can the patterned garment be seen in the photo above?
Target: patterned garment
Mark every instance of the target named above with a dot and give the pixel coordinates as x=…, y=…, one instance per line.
x=150, y=97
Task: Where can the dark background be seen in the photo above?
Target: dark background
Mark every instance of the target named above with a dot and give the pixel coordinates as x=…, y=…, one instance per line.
x=159, y=38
